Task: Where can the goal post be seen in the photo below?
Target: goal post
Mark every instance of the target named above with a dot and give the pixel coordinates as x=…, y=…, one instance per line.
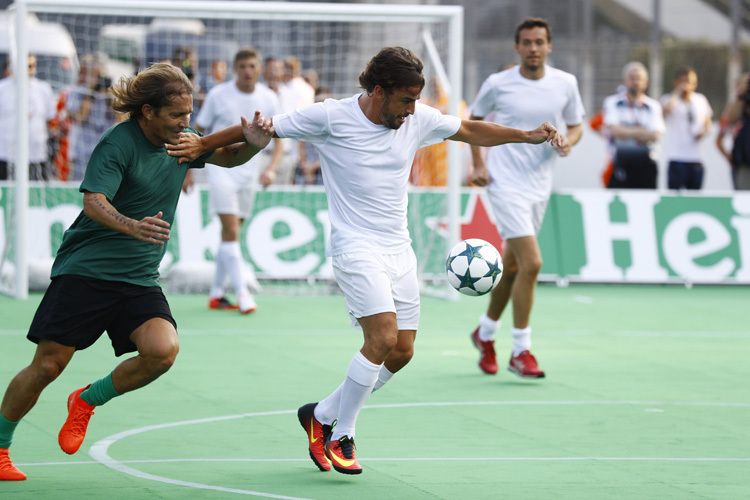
x=335, y=40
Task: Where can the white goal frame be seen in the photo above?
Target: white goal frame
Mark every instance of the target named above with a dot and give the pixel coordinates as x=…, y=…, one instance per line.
x=451, y=76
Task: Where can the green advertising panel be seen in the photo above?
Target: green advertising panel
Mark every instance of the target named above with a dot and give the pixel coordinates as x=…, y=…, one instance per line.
x=587, y=235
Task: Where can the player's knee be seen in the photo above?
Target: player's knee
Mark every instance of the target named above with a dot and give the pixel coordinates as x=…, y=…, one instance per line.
x=162, y=359
x=532, y=266
x=384, y=344
x=402, y=355
x=48, y=369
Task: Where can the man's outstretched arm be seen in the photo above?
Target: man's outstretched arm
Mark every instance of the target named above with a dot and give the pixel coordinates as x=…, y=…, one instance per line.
x=233, y=145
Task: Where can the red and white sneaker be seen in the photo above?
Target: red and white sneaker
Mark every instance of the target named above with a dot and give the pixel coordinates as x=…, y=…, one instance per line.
x=317, y=435
x=74, y=429
x=487, y=360
x=525, y=366
x=246, y=304
x=342, y=456
x=222, y=303
x=8, y=471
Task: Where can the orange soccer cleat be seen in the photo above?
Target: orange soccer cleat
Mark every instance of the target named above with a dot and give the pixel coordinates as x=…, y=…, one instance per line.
x=8, y=471
x=343, y=458
x=74, y=429
x=317, y=435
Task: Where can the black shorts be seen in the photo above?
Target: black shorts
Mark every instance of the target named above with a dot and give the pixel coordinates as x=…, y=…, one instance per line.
x=76, y=310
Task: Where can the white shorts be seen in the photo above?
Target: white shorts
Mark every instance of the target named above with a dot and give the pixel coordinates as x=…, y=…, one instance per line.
x=374, y=283
x=231, y=199
x=515, y=215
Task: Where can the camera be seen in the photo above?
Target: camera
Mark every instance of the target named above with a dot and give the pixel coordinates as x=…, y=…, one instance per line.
x=187, y=68
x=102, y=84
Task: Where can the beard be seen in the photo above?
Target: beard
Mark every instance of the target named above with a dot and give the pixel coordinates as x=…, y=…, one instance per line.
x=390, y=120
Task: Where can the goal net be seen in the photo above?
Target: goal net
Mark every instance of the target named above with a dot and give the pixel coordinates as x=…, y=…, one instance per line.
x=284, y=239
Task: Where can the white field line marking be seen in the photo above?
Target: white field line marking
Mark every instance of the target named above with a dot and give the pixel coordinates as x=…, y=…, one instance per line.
x=555, y=333
x=412, y=459
x=99, y=450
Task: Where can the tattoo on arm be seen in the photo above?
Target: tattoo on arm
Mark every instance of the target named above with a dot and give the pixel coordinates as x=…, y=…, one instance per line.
x=109, y=210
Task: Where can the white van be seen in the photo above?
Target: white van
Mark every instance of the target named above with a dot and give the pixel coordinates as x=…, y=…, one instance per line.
x=51, y=43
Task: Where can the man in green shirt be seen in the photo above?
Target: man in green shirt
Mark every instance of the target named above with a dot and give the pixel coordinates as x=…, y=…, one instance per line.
x=105, y=275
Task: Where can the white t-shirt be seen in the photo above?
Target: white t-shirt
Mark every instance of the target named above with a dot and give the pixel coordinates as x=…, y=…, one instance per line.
x=519, y=102
x=224, y=105
x=365, y=168
x=42, y=108
x=684, y=122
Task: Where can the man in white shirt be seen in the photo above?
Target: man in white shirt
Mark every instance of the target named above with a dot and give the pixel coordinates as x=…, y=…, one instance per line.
x=367, y=145
x=42, y=108
x=519, y=183
x=634, y=123
x=232, y=190
x=687, y=114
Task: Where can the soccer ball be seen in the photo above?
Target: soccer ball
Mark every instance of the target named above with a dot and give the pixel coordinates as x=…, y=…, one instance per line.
x=474, y=267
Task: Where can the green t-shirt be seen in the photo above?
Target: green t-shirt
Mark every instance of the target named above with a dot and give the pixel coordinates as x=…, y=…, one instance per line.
x=139, y=179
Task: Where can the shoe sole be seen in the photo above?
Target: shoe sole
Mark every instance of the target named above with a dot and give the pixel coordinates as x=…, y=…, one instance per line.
x=516, y=372
x=351, y=472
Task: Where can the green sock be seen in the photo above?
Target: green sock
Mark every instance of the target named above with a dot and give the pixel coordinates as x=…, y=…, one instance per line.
x=100, y=392
x=6, y=431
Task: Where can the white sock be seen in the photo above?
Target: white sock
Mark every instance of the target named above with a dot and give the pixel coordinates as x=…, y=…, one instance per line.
x=328, y=410
x=487, y=328
x=360, y=379
x=217, y=288
x=233, y=264
x=521, y=340
x=384, y=375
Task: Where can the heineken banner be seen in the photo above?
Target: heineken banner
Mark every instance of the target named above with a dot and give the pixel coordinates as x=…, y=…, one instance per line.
x=588, y=235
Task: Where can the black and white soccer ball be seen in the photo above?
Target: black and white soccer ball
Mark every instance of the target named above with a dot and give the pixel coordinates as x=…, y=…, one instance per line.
x=474, y=267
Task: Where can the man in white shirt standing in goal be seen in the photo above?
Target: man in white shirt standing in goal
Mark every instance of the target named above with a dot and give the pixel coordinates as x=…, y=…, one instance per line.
x=519, y=182
x=232, y=190
x=367, y=145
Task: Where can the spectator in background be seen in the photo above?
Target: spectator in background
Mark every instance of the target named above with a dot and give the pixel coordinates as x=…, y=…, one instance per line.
x=430, y=166
x=218, y=74
x=273, y=73
x=635, y=124
x=42, y=102
x=596, y=122
x=89, y=107
x=59, y=129
x=312, y=78
x=232, y=190
x=186, y=58
x=294, y=93
x=727, y=133
x=688, y=119
x=738, y=115
x=302, y=93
